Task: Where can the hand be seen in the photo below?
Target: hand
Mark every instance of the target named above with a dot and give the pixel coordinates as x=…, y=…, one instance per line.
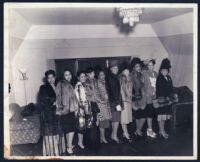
x=76, y=114
x=119, y=108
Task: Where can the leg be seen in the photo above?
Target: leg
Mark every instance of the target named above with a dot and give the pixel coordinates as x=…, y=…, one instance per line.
x=102, y=135
x=69, y=142
x=115, y=126
x=125, y=131
x=150, y=132
x=56, y=144
x=162, y=129
x=149, y=123
x=45, y=153
x=141, y=123
x=80, y=140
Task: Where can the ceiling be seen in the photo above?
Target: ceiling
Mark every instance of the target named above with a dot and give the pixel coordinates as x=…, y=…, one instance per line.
x=83, y=16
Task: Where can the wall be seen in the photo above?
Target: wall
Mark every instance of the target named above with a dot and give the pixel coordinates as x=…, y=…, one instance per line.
x=176, y=35
x=43, y=44
x=17, y=30
x=34, y=60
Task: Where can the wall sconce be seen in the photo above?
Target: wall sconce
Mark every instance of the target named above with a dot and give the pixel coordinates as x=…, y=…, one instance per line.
x=24, y=77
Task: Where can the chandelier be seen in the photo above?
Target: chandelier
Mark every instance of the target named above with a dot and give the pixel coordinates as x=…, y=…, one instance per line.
x=129, y=15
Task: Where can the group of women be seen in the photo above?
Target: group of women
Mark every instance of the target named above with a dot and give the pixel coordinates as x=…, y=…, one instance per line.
x=105, y=99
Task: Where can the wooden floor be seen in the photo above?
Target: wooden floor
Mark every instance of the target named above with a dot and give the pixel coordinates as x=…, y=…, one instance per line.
x=180, y=143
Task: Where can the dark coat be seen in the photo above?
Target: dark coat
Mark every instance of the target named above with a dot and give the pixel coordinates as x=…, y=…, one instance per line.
x=47, y=97
x=164, y=88
x=114, y=92
x=49, y=119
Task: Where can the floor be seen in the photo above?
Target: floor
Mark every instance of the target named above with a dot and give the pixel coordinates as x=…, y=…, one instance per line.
x=180, y=143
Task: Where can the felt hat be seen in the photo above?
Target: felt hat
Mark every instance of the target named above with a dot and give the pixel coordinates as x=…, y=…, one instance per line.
x=165, y=64
x=124, y=65
x=113, y=63
x=135, y=60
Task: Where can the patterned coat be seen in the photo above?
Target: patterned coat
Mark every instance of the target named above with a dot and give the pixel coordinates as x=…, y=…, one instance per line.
x=102, y=101
x=150, y=85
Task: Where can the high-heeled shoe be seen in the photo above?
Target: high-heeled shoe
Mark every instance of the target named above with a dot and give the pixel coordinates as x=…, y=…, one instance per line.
x=164, y=135
x=151, y=133
x=138, y=135
x=103, y=141
x=116, y=141
x=69, y=152
x=127, y=138
x=81, y=146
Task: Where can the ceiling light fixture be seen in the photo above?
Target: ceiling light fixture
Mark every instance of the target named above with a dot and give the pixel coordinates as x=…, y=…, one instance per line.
x=130, y=15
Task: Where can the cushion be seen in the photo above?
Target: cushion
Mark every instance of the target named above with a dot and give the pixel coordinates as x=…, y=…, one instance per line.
x=15, y=111
x=31, y=122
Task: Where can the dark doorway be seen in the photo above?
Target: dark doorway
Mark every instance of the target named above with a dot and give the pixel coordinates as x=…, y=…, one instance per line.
x=83, y=63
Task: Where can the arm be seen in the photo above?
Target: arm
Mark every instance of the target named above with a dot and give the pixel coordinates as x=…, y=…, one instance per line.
x=44, y=100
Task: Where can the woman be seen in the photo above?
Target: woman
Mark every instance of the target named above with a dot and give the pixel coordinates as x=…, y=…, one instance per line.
x=91, y=91
x=139, y=100
x=84, y=109
x=67, y=105
x=115, y=98
x=126, y=92
x=50, y=128
x=104, y=116
x=150, y=92
x=164, y=88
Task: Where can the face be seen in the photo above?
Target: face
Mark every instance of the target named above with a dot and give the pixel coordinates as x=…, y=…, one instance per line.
x=164, y=72
x=91, y=75
x=151, y=66
x=137, y=68
x=51, y=79
x=126, y=72
x=82, y=77
x=101, y=75
x=68, y=76
x=114, y=69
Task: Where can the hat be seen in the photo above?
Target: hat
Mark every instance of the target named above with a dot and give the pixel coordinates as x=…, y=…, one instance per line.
x=147, y=61
x=165, y=64
x=135, y=60
x=124, y=65
x=113, y=63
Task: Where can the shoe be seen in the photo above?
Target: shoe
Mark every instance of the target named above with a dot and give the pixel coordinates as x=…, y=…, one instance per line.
x=127, y=138
x=81, y=146
x=103, y=141
x=116, y=141
x=151, y=133
x=69, y=152
x=138, y=135
x=164, y=135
